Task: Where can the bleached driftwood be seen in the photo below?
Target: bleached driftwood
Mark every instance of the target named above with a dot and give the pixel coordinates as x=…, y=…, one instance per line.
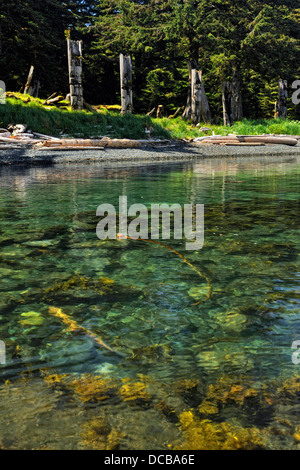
x=53, y=101
x=4, y=133
x=28, y=88
x=249, y=139
x=105, y=142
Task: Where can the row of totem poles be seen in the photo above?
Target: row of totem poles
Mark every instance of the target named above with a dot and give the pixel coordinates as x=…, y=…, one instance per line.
x=75, y=78
x=197, y=107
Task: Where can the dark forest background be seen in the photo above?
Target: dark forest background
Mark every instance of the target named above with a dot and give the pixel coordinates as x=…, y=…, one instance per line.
x=258, y=40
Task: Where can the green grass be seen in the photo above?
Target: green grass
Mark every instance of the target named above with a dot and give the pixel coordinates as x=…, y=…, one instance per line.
x=54, y=121
x=22, y=109
x=180, y=129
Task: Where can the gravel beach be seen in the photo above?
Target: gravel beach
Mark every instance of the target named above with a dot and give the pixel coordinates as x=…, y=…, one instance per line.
x=174, y=151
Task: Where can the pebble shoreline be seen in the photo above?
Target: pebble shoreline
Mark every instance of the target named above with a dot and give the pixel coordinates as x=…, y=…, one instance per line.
x=177, y=151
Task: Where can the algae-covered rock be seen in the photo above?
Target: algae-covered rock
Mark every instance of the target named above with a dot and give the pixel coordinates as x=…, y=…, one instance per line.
x=134, y=392
x=31, y=319
x=208, y=407
x=198, y=292
x=79, y=287
x=97, y=434
x=90, y=388
x=225, y=390
x=232, y=320
x=153, y=352
x=206, y=435
x=290, y=388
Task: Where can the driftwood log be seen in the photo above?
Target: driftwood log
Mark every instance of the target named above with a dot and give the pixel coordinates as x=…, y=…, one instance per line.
x=151, y=112
x=105, y=142
x=249, y=139
x=28, y=89
x=172, y=116
x=53, y=101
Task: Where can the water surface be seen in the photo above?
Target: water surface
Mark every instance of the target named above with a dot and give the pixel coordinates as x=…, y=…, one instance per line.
x=214, y=375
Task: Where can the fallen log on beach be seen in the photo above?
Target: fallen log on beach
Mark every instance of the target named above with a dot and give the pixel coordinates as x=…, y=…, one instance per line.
x=104, y=142
x=247, y=140
x=66, y=147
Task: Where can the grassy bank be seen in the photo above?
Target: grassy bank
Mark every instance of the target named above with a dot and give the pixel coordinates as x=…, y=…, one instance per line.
x=180, y=129
x=22, y=109
x=55, y=121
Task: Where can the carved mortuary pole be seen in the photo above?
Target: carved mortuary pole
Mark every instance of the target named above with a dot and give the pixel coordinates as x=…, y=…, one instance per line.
x=75, y=73
x=282, y=98
x=126, y=84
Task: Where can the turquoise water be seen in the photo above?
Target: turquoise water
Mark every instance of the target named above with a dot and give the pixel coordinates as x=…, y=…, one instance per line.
x=167, y=354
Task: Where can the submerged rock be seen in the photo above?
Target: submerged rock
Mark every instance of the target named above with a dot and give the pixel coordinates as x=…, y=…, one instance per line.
x=232, y=320
x=203, y=434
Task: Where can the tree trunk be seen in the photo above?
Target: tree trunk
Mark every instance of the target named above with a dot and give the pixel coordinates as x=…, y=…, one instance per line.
x=2, y=92
x=75, y=73
x=27, y=89
x=36, y=89
x=232, y=100
x=196, y=97
x=204, y=106
x=282, y=98
x=204, y=109
x=187, y=113
x=126, y=84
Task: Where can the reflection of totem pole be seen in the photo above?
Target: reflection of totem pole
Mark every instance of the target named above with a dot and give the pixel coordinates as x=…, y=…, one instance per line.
x=75, y=73
x=126, y=84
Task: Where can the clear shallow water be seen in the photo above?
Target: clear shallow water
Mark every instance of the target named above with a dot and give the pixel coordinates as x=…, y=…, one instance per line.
x=227, y=360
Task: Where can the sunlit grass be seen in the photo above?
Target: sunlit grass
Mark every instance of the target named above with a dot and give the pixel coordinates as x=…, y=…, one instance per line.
x=180, y=129
x=22, y=109
x=56, y=121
